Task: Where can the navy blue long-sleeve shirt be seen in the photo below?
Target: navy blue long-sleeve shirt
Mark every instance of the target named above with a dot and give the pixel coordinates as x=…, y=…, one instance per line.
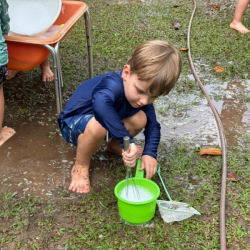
x=104, y=97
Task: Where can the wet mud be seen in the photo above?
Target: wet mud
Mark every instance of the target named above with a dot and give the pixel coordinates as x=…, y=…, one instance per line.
x=188, y=117
x=37, y=161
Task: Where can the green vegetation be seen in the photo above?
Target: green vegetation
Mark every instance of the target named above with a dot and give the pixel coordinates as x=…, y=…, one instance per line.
x=92, y=221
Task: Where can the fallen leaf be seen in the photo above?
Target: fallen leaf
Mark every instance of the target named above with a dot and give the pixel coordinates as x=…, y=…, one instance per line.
x=134, y=36
x=120, y=2
x=231, y=176
x=219, y=69
x=184, y=49
x=216, y=7
x=176, y=25
x=210, y=151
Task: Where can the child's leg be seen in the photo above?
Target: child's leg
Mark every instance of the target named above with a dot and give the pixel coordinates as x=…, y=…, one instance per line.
x=237, y=22
x=92, y=139
x=134, y=124
x=1, y=110
x=5, y=132
x=47, y=74
x=87, y=144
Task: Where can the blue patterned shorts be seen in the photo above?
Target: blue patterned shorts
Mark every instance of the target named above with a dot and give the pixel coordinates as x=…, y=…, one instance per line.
x=74, y=126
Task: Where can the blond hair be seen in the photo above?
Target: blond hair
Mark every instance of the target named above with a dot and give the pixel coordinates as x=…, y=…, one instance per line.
x=157, y=63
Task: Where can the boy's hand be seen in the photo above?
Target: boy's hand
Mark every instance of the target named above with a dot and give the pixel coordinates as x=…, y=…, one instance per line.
x=149, y=164
x=130, y=156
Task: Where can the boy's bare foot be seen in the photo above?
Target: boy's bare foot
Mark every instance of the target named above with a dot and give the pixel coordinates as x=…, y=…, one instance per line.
x=47, y=74
x=5, y=134
x=115, y=148
x=239, y=27
x=11, y=74
x=80, y=182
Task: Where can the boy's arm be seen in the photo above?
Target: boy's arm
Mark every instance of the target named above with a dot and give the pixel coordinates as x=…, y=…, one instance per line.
x=152, y=139
x=5, y=19
x=152, y=132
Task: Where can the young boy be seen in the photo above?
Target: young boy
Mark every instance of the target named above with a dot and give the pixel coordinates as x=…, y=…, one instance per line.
x=5, y=133
x=122, y=104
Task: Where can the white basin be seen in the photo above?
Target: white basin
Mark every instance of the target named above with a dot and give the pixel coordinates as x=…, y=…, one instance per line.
x=33, y=17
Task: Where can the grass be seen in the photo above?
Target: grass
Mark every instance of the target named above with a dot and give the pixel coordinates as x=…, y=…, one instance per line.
x=92, y=221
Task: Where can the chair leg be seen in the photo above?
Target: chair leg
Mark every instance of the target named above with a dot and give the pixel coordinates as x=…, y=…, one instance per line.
x=89, y=41
x=59, y=63
x=58, y=77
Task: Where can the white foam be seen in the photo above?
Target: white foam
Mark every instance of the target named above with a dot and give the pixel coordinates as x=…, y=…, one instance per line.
x=128, y=193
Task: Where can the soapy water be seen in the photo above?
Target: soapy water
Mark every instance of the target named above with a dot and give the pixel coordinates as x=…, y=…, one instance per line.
x=128, y=193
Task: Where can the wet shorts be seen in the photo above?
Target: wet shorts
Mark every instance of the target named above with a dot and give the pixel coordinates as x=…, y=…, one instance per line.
x=74, y=126
x=3, y=73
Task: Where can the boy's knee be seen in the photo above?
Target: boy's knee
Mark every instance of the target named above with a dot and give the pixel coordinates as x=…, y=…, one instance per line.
x=96, y=129
x=142, y=119
x=138, y=121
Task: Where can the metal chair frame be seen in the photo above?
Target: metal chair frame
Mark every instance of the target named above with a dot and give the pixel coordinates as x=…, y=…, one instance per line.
x=54, y=51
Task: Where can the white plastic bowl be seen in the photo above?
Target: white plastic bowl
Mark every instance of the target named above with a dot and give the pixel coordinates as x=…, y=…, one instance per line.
x=33, y=17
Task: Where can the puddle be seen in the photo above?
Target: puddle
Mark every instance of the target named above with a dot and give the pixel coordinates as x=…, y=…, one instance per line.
x=36, y=164
x=37, y=160
x=188, y=117
x=235, y=112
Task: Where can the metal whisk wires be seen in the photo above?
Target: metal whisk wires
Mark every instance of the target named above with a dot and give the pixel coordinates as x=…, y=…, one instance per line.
x=129, y=176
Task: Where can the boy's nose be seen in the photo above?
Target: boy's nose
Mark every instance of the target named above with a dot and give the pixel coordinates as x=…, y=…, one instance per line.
x=144, y=101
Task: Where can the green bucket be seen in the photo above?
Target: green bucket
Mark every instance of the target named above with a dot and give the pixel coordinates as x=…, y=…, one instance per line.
x=137, y=212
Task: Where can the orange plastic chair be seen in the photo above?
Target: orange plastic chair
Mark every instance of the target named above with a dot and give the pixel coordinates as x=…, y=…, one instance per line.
x=26, y=53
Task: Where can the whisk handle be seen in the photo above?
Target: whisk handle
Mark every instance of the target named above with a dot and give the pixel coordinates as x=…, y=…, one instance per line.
x=126, y=143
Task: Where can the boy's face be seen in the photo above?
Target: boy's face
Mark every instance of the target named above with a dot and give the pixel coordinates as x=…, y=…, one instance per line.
x=136, y=91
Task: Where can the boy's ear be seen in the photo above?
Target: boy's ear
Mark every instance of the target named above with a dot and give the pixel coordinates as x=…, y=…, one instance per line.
x=126, y=72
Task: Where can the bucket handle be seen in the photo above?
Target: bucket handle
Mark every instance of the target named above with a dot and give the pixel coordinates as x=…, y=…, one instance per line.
x=139, y=173
x=158, y=172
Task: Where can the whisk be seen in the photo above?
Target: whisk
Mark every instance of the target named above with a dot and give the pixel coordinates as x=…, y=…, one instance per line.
x=129, y=175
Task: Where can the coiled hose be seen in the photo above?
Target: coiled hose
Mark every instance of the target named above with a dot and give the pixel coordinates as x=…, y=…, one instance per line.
x=222, y=139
